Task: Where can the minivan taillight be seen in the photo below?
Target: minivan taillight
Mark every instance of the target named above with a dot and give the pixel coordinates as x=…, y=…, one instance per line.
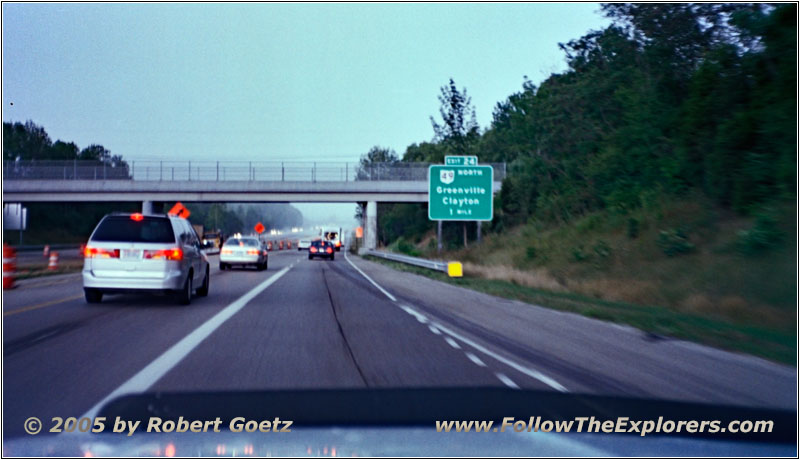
x=100, y=253
x=167, y=254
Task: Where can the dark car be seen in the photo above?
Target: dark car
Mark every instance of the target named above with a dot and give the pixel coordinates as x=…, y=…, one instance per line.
x=320, y=248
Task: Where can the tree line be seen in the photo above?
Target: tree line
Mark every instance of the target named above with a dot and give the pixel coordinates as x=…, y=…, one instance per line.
x=30, y=142
x=73, y=222
x=668, y=99
x=242, y=217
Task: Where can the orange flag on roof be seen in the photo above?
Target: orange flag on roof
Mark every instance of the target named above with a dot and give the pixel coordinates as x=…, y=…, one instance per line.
x=179, y=210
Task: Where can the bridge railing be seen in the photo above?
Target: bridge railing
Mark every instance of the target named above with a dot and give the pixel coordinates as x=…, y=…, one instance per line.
x=168, y=170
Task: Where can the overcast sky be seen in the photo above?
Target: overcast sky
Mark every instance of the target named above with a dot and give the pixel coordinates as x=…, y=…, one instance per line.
x=269, y=81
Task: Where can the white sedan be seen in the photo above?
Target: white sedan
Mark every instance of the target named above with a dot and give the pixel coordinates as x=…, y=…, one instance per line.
x=243, y=251
x=304, y=243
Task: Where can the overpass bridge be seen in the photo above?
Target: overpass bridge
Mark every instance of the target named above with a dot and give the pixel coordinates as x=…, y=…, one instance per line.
x=156, y=181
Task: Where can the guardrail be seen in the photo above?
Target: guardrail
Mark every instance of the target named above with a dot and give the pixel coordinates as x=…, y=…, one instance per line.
x=168, y=170
x=437, y=265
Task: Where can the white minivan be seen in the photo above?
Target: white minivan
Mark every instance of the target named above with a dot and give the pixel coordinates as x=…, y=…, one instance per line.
x=145, y=253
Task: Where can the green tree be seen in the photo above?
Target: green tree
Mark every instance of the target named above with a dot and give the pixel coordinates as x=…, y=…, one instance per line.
x=458, y=127
x=26, y=141
x=377, y=164
x=64, y=151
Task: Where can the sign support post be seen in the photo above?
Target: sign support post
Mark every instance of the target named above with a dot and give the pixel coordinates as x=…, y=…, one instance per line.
x=439, y=236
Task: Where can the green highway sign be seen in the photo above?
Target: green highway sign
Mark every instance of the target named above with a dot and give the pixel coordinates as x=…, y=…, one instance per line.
x=461, y=160
x=460, y=192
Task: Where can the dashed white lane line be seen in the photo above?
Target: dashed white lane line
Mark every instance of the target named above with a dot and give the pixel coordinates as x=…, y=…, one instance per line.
x=533, y=373
x=452, y=343
x=434, y=330
x=504, y=378
x=475, y=359
x=370, y=279
x=146, y=377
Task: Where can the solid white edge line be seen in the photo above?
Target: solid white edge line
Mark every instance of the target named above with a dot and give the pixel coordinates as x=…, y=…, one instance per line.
x=146, y=377
x=529, y=372
x=420, y=317
x=369, y=279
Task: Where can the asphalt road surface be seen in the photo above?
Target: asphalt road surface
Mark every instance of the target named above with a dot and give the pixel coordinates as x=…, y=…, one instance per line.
x=348, y=323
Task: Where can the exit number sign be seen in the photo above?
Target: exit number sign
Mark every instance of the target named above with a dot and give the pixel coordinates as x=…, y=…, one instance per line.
x=461, y=160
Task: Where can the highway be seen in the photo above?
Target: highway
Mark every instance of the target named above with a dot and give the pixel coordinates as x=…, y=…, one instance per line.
x=348, y=323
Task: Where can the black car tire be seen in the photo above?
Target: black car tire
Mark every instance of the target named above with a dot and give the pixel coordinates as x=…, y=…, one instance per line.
x=202, y=291
x=310, y=257
x=332, y=256
x=185, y=294
x=93, y=295
x=222, y=266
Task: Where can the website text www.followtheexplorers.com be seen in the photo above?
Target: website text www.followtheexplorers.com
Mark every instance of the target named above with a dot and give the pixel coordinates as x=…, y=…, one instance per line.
x=593, y=425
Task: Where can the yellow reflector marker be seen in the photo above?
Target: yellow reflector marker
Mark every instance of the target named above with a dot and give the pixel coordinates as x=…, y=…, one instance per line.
x=454, y=269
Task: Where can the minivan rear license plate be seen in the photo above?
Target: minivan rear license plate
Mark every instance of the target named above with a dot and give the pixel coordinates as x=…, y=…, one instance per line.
x=131, y=253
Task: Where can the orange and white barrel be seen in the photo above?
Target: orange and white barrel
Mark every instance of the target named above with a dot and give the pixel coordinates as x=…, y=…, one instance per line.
x=9, y=267
x=53, y=265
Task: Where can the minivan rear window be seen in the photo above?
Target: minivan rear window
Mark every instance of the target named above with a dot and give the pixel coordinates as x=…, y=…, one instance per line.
x=123, y=228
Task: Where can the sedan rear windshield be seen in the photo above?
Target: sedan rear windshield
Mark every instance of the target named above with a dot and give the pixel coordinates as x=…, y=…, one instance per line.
x=124, y=228
x=241, y=242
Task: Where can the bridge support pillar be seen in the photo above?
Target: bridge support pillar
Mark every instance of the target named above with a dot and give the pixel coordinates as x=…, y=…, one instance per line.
x=147, y=207
x=371, y=227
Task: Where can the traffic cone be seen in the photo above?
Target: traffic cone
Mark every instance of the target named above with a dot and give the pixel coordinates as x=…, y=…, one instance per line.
x=9, y=267
x=46, y=251
x=53, y=265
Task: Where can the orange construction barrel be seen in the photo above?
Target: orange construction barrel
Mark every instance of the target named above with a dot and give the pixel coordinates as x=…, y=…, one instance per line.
x=53, y=265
